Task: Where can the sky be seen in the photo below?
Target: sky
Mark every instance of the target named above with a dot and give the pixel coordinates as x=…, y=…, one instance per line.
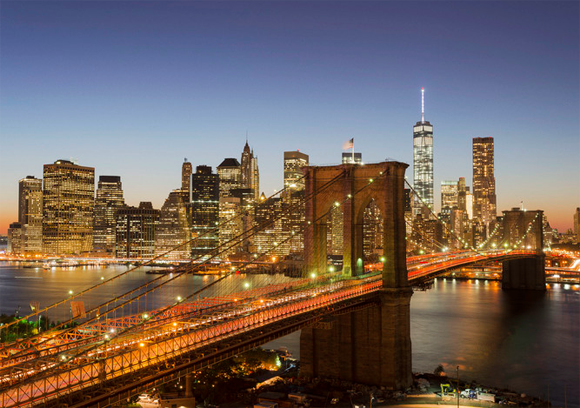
x=133, y=88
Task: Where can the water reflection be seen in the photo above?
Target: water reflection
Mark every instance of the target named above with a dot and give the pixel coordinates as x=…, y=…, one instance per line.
x=523, y=340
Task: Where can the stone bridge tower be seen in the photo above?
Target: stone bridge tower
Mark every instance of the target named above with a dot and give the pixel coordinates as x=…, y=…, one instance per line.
x=523, y=230
x=371, y=345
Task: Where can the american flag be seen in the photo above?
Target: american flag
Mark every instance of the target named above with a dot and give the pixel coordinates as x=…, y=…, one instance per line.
x=348, y=145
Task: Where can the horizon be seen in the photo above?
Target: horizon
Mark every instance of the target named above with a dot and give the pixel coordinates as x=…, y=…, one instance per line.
x=132, y=89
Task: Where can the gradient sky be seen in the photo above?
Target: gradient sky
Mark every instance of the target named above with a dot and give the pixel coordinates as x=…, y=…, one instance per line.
x=132, y=88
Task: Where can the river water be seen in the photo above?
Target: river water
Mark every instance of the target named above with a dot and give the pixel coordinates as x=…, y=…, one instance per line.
x=525, y=341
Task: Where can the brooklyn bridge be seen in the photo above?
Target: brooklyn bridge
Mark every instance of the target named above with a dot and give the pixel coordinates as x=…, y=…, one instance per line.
x=355, y=320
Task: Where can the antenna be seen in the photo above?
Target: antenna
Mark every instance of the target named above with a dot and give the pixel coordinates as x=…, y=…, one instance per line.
x=422, y=104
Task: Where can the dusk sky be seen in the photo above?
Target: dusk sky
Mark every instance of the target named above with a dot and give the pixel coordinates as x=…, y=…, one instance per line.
x=132, y=88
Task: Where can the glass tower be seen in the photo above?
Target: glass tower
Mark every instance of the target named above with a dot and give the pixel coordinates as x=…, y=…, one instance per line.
x=108, y=199
x=68, y=204
x=423, y=161
x=484, y=198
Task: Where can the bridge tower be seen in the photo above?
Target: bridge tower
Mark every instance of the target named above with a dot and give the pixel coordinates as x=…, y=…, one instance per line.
x=373, y=344
x=522, y=230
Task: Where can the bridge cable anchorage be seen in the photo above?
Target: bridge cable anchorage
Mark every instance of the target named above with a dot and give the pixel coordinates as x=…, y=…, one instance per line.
x=189, y=268
x=79, y=355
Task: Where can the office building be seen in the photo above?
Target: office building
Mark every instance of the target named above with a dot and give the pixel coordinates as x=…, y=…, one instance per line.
x=423, y=162
x=203, y=211
x=350, y=158
x=108, y=199
x=135, y=231
x=173, y=233
x=484, y=199
x=186, y=171
x=30, y=214
x=230, y=176
x=14, y=238
x=250, y=175
x=68, y=207
x=449, y=194
x=294, y=161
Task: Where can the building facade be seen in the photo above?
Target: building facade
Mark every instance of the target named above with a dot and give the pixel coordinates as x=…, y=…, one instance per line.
x=230, y=176
x=203, y=210
x=108, y=199
x=484, y=198
x=68, y=206
x=250, y=175
x=30, y=214
x=294, y=161
x=135, y=231
x=186, y=171
x=172, y=235
x=423, y=163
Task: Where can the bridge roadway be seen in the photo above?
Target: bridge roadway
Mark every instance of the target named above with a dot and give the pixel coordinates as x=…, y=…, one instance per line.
x=108, y=350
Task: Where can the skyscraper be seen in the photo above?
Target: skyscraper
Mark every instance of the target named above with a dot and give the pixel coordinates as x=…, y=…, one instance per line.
x=173, y=228
x=135, y=231
x=230, y=176
x=293, y=163
x=449, y=194
x=484, y=199
x=203, y=211
x=449, y=199
x=109, y=198
x=423, y=160
x=69, y=198
x=30, y=214
x=186, y=170
x=250, y=176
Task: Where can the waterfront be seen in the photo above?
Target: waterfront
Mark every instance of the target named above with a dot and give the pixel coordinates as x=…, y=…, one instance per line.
x=524, y=341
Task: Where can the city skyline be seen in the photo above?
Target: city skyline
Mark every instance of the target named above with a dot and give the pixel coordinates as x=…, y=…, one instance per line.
x=131, y=91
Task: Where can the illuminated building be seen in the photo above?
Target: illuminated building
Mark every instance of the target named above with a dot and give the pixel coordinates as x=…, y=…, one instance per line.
x=173, y=228
x=14, y=238
x=449, y=194
x=272, y=233
x=230, y=176
x=203, y=211
x=293, y=163
x=186, y=170
x=336, y=228
x=68, y=205
x=109, y=198
x=30, y=214
x=423, y=161
x=292, y=205
x=230, y=223
x=372, y=232
x=484, y=199
x=250, y=175
x=350, y=158
x=408, y=211
x=135, y=231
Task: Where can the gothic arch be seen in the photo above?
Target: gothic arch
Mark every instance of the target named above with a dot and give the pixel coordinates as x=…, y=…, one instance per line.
x=354, y=188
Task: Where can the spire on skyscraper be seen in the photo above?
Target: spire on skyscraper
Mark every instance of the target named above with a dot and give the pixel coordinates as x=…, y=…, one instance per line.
x=422, y=104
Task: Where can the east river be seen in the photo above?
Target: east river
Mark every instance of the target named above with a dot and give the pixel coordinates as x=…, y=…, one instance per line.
x=528, y=342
